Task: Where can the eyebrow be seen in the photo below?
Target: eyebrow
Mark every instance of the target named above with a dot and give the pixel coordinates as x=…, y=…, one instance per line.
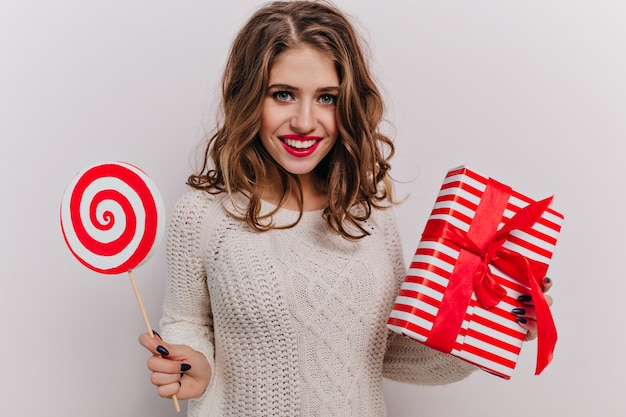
x=288, y=87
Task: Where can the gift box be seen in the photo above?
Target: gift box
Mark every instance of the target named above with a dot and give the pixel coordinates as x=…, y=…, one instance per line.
x=483, y=246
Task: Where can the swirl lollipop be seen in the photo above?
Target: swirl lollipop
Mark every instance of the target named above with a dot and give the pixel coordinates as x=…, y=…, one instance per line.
x=112, y=218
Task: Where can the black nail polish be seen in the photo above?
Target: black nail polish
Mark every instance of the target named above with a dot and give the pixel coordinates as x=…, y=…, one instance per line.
x=521, y=320
x=184, y=367
x=162, y=350
x=157, y=335
x=547, y=280
x=524, y=298
x=518, y=311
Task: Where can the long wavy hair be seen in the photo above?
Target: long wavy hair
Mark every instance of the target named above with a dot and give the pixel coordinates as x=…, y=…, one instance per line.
x=354, y=174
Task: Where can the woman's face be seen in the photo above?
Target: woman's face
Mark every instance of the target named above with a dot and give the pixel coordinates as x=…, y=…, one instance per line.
x=298, y=123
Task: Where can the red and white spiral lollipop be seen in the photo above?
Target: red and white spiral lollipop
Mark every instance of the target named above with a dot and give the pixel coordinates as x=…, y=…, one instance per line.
x=112, y=218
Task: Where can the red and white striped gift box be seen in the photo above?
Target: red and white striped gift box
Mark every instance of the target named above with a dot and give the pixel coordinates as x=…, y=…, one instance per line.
x=487, y=335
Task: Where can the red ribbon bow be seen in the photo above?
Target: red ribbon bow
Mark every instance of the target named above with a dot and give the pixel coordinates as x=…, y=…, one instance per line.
x=481, y=246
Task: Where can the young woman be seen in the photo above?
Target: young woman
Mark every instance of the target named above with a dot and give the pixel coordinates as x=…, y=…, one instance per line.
x=284, y=260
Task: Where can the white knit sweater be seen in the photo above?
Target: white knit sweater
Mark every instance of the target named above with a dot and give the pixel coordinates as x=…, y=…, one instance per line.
x=292, y=321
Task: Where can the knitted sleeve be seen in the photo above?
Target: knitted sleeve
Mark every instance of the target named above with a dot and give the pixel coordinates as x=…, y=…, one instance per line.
x=407, y=360
x=187, y=317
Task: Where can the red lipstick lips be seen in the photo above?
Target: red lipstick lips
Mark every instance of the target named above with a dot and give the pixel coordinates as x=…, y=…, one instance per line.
x=299, y=137
x=298, y=145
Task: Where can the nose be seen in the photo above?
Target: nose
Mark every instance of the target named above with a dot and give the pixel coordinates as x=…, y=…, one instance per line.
x=303, y=119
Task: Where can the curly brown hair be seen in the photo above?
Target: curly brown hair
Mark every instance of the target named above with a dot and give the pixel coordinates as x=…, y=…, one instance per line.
x=355, y=172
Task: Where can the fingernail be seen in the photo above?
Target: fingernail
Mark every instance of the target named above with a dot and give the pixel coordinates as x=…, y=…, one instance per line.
x=157, y=335
x=162, y=350
x=521, y=320
x=518, y=311
x=547, y=280
x=524, y=297
x=184, y=367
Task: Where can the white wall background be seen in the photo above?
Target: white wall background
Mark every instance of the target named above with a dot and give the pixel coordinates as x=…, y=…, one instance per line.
x=530, y=92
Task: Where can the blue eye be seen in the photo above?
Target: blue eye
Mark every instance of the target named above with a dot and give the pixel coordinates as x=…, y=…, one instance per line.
x=328, y=99
x=282, y=95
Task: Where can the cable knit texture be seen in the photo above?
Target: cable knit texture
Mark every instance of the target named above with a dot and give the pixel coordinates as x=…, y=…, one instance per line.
x=292, y=321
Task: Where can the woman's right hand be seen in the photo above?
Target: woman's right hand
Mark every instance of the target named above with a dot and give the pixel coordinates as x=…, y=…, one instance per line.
x=176, y=369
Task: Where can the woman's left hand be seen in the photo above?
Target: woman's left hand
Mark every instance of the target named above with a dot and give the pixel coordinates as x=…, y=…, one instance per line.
x=526, y=315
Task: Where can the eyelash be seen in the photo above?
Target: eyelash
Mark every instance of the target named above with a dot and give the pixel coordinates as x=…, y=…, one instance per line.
x=276, y=95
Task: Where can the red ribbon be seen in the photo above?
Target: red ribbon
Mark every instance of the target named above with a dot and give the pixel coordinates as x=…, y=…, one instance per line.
x=481, y=246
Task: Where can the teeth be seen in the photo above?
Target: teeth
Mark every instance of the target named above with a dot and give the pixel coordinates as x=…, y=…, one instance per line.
x=300, y=144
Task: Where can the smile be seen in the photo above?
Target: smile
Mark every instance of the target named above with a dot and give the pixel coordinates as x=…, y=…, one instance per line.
x=300, y=146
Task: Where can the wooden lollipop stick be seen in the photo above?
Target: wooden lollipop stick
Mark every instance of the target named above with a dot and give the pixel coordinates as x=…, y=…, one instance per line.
x=147, y=322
